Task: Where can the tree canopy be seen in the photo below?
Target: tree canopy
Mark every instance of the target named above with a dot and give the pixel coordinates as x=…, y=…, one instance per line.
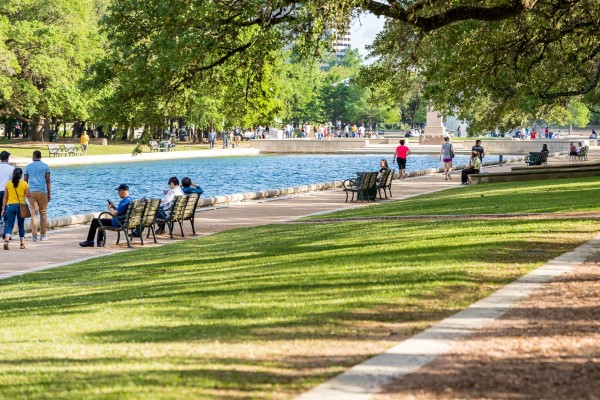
x=494, y=62
x=45, y=48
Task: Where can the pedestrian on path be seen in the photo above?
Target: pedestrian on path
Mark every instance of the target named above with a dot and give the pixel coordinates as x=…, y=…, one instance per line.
x=6, y=171
x=400, y=157
x=85, y=141
x=446, y=155
x=37, y=175
x=211, y=138
x=15, y=192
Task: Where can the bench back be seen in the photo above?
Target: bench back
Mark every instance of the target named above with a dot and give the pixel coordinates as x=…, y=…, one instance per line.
x=178, y=207
x=53, y=149
x=150, y=212
x=390, y=178
x=190, y=207
x=384, y=178
x=368, y=180
x=134, y=215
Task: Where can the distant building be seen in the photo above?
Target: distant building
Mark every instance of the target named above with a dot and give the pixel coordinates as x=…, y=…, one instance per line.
x=341, y=41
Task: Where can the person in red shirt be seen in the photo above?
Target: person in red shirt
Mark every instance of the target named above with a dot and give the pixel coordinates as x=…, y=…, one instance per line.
x=400, y=157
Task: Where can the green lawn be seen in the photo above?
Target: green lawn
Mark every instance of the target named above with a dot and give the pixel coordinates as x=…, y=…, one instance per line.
x=258, y=313
x=25, y=150
x=560, y=195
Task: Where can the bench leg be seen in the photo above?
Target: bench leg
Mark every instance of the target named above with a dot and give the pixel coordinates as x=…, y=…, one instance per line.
x=193, y=228
x=127, y=238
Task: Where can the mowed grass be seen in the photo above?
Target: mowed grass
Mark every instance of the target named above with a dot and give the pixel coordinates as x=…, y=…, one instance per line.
x=258, y=313
x=557, y=195
x=25, y=150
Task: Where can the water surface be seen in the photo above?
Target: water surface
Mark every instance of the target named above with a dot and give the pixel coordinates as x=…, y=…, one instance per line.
x=83, y=189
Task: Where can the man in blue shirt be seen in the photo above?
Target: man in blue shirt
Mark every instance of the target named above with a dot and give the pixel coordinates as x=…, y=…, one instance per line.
x=190, y=187
x=118, y=214
x=37, y=175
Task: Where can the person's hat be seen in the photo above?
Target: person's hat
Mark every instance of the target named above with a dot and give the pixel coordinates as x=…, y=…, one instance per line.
x=4, y=155
x=122, y=186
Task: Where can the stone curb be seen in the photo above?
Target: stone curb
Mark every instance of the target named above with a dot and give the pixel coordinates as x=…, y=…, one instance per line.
x=363, y=381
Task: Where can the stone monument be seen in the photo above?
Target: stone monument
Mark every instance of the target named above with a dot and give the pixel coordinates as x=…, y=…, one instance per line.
x=434, y=129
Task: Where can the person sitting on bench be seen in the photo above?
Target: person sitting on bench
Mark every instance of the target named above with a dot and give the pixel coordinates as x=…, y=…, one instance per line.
x=474, y=167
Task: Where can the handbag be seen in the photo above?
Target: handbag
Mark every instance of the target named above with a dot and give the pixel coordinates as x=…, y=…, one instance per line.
x=23, y=208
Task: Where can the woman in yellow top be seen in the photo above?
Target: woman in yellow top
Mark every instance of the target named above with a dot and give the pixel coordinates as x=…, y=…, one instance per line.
x=15, y=192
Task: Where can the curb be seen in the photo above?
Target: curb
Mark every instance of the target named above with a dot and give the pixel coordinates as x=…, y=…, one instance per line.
x=363, y=381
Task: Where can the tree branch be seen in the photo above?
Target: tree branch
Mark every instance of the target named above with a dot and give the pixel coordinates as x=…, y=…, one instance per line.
x=426, y=24
x=591, y=86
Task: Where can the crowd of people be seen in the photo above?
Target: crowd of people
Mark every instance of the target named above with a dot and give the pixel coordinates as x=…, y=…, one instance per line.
x=446, y=156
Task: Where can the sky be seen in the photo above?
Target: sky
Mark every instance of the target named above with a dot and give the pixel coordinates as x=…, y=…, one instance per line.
x=364, y=31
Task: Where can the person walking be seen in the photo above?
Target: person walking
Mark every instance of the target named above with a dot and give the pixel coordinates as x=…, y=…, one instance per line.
x=400, y=157
x=6, y=171
x=85, y=141
x=15, y=192
x=211, y=138
x=37, y=175
x=446, y=155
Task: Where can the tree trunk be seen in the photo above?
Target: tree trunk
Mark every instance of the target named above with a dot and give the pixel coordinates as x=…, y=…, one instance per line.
x=37, y=126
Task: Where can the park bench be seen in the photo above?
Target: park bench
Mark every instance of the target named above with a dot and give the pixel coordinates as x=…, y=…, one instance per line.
x=385, y=183
x=55, y=150
x=364, y=185
x=153, y=146
x=131, y=222
x=72, y=150
x=581, y=156
x=176, y=215
x=537, y=158
x=190, y=211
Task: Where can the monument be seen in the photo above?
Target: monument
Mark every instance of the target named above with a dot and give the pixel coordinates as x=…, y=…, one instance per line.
x=434, y=129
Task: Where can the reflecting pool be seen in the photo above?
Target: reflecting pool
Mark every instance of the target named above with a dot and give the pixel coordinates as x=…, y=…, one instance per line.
x=83, y=189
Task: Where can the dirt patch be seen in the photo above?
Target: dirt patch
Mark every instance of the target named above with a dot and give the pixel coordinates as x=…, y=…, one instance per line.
x=546, y=347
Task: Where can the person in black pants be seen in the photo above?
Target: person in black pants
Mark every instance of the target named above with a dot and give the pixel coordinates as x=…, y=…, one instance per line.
x=474, y=167
x=117, y=212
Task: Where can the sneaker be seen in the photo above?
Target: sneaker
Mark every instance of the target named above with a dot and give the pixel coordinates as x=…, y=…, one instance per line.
x=44, y=238
x=34, y=238
x=87, y=243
